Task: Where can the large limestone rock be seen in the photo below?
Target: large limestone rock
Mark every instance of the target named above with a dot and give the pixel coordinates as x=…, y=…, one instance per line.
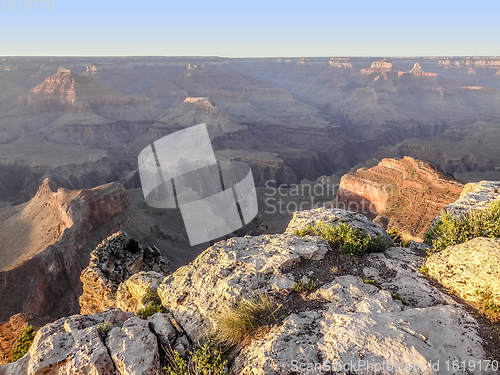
x=468, y=268
x=231, y=270
x=362, y=325
x=113, y=262
x=302, y=219
x=475, y=196
x=69, y=346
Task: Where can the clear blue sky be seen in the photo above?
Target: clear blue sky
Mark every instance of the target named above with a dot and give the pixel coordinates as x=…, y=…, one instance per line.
x=253, y=28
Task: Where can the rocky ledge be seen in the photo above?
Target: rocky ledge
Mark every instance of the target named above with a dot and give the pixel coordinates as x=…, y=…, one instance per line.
x=368, y=310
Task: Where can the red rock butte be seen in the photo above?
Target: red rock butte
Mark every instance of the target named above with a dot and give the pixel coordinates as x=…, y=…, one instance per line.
x=406, y=194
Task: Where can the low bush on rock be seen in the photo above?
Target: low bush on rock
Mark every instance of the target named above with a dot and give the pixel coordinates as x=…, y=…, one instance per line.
x=205, y=360
x=351, y=240
x=371, y=282
x=103, y=330
x=23, y=343
x=150, y=310
x=451, y=230
x=487, y=302
x=399, y=298
x=246, y=319
x=153, y=304
x=306, y=285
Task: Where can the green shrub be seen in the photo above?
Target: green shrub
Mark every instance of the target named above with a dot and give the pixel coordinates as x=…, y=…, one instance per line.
x=398, y=297
x=451, y=230
x=423, y=269
x=486, y=301
x=351, y=240
x=103, y=330
x=205, y=360
x=152, y=302
x=371, y=282
x=396, y=237
x=239, y=324
x=23, y=343
x=151, y=309
x=302, y=286
x=151, y=296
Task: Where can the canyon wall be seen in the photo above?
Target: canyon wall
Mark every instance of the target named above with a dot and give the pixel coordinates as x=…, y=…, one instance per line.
x=48, y=281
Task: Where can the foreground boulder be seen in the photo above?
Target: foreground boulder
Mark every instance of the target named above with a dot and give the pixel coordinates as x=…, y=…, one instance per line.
x=107, y=343
x=361, y=326
x=469, y=269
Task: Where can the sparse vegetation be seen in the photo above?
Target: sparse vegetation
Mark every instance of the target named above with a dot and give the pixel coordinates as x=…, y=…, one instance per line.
x=451, y=230
x=396, y=237
x=306, y=286
x=334, y=270
x=23, y=343
x=150, y=309
x=486, y=301
x=351, y=240
x=103, y=329
x=398, y=297
x=423, y=269
x=246, y=319
x=151, y=296
x=371, y=281
x=153, y=304
x=205, y=360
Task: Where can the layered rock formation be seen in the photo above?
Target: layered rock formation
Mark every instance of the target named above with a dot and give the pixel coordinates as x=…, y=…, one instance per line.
x=65, y=88
x=44, y=245
x=406, y=194
x=468, y=151
x=120, y=259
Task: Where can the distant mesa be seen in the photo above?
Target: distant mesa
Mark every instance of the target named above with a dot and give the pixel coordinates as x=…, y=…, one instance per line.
x=379, y=66
x=384, y=68
x=343, y=63
x=417, y=71
x=194, y=111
